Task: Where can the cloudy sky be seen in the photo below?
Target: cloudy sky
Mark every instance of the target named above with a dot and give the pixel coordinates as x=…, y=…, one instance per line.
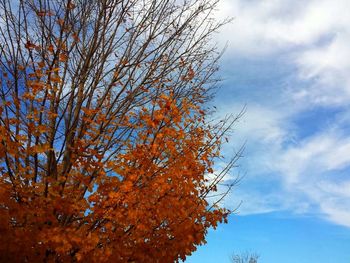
x=288, y=61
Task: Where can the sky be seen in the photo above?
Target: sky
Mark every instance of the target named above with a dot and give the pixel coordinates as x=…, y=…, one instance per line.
x=288, y=62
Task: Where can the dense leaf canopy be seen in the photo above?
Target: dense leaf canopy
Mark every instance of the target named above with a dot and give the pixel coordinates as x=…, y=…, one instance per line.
x=106, y=154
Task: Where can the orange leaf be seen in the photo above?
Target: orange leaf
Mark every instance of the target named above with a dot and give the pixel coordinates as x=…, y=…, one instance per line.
x=50, y=48
x=71, y=5
x=29, y=45
x=63, y=57
x=41, y=64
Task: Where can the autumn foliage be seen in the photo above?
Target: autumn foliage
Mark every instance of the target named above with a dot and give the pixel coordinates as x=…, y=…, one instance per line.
x=106, y=150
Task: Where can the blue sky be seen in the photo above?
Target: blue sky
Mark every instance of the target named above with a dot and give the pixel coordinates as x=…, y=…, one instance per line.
x=289, y=62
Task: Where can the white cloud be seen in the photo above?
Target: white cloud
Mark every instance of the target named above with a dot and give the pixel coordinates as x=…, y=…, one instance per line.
x=266, y=26
x=328, y=66
x=314, y=34
x=337, y=212
x=263, y=130
x=341, y=189
x=305, y=177
x=312, y=167
x=321, y=153
x=334, y=201
x=313, y=37
x=261, y=123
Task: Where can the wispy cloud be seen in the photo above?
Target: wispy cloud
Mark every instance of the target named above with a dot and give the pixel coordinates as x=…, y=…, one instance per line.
x=306, y=173
x=328, y=65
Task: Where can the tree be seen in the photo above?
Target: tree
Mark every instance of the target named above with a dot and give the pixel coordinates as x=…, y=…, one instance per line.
x=245, y=258
x=106, y=145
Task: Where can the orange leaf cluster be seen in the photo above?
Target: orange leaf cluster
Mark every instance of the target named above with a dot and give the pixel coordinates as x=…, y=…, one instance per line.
x=147, y=198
